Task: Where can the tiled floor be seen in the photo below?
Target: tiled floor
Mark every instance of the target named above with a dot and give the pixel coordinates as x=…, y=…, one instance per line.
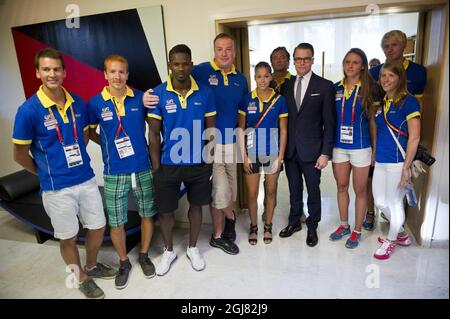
x=287, y=268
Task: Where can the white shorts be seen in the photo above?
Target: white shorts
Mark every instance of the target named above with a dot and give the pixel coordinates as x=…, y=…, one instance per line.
x=358, y=158
x=64, y=205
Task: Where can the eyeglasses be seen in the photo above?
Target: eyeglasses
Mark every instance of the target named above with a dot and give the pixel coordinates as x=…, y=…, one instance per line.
x=304, y=60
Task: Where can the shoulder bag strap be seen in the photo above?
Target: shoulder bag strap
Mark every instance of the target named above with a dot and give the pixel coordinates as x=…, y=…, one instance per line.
x=271, y=102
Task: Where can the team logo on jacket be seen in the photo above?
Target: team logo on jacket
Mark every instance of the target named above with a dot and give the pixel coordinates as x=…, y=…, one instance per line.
x=48, y=122
x=252, y=108
x=213, y=80
x=171, y=107
x=106, y=114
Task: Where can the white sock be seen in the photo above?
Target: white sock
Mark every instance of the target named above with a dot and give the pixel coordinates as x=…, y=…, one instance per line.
x=344, y=224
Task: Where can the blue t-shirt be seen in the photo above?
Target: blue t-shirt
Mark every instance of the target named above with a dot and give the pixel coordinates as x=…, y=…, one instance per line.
x=361, y=133
x=416, y=76
x=387, y=150
x=34, y=126
x=183, y=121
x=265, y=141
x=103, y=109
x=229, y=90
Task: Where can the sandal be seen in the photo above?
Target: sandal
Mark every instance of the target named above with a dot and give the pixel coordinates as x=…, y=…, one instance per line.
x=253, y=230
x=267, y=229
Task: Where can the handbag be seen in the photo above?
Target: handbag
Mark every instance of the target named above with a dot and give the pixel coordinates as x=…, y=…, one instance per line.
x=422, y=154
x=416, y=165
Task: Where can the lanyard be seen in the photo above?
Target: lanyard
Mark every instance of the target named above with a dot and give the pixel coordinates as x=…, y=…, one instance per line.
x=57, y=127
x=353, y=106
x=267, y=110
x=386, y=108
x=120, y=128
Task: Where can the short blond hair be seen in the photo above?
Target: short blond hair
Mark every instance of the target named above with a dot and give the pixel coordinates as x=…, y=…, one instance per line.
x=115, y=57
x=395, y=35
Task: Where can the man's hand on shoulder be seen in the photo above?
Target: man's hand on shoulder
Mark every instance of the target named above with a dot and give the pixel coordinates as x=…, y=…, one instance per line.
x=150, y=100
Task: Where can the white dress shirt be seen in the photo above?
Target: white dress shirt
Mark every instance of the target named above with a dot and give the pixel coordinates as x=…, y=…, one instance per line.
x=305, y=82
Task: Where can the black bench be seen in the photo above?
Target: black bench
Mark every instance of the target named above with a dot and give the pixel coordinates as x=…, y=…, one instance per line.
x=19, y=195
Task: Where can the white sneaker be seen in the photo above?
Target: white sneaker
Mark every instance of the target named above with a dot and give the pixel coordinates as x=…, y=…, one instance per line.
x=164, y=265
x=196, y=259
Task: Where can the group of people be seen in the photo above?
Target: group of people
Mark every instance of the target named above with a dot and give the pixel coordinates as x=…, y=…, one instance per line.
x=298, y=122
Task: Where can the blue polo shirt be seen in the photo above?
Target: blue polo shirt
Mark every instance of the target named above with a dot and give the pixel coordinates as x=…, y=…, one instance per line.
x=252, y=108
x=103, y=109
x=34, y=126
x=183, y=121
x=229, y=90
x=398, y=115
x=416, y=76
x=361, y=133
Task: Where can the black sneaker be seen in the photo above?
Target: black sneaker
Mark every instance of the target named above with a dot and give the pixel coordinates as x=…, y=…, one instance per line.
x=226, y=245
x=229, y=231
x=90, y=289
x=102, y=271
x=123, y=274
x=147, y=266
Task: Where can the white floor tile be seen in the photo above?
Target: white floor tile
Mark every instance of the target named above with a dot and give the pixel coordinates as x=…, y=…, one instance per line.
x=287, y=268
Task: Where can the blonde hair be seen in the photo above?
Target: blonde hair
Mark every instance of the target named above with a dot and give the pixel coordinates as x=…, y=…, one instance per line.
x=115, y=57
x=396, y=35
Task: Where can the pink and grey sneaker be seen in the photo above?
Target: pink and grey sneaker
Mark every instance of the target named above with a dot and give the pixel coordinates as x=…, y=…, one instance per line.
x=385, y=250
x=402, y=240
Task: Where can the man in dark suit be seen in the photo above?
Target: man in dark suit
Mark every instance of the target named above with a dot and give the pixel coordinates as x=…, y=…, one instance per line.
x=312, y=122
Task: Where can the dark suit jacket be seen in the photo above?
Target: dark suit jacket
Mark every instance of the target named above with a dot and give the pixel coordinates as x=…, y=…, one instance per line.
x=311, y=131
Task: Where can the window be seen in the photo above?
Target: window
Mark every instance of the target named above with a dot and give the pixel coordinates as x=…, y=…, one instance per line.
x=334, y=37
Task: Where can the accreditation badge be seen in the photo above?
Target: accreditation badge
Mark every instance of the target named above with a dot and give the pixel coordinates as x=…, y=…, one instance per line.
x=346, y=134
x=124, y=147
x=73, y=155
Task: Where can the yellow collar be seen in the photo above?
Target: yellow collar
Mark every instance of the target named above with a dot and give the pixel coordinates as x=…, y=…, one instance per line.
x=261, y=102
x=107, y=95
x=281, y=82
x=255, y=95
x=47, y=102
x=181, y=98
x=405, y=63
x=387, y=104
x=194, y=86
x=348, y=93
x=216, y=68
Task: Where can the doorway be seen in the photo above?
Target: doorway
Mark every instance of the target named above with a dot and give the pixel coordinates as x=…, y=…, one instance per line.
x=428, y=47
